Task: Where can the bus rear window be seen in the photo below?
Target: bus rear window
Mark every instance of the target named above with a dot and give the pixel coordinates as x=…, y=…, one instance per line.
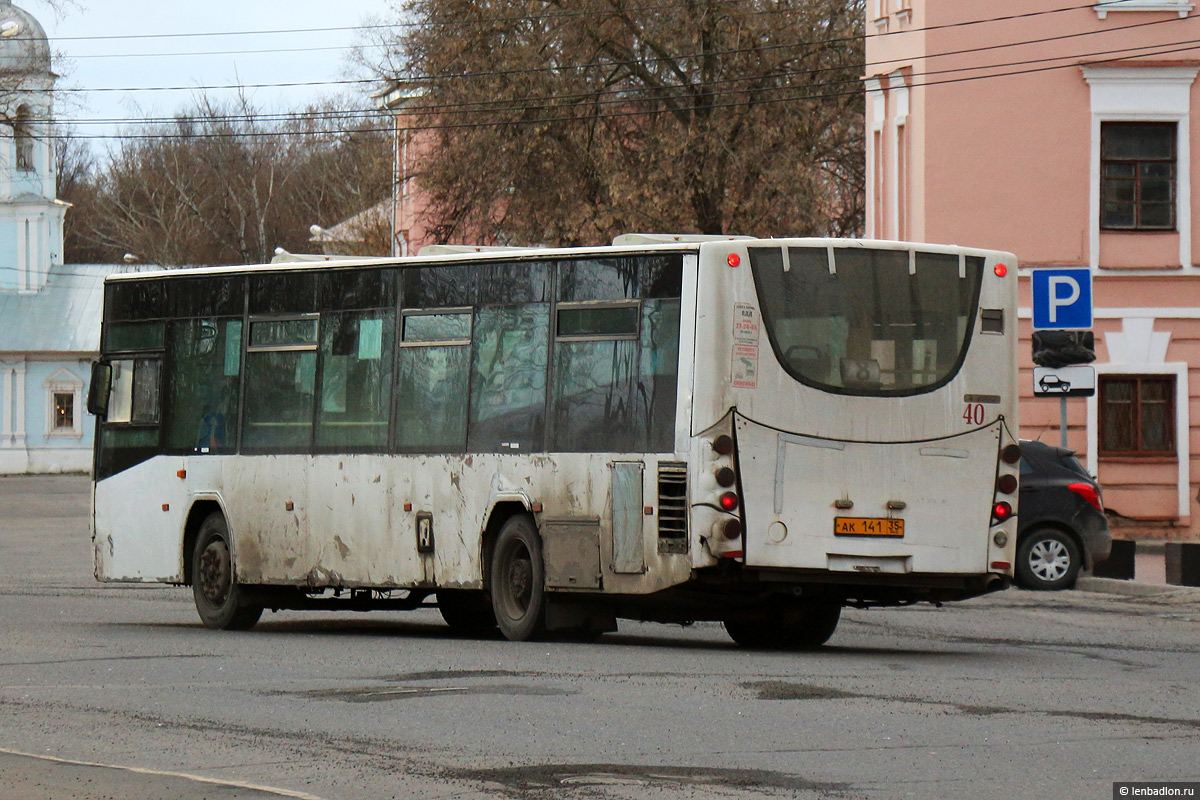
x=867, y=321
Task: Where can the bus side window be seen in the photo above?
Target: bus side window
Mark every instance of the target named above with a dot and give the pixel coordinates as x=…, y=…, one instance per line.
x=595, y=366
x=281, y=371
x=204, y=369
x=508, y=379
x=433, y=362
x=356, y=378
x=135, y=389
x=655, y=393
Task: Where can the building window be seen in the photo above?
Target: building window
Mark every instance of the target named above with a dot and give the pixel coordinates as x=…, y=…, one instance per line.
x=1137, y=176
x=1137, y=415
x=64, y=411
x=24, y=140
x=63, y=403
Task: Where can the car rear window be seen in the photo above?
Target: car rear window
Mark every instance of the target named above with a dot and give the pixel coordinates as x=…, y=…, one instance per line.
x=1072, y=463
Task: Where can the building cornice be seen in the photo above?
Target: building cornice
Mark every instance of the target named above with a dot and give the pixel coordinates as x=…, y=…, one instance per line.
x=1127, y=73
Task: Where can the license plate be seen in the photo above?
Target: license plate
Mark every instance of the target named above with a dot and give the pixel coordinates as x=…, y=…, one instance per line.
x=867, y=526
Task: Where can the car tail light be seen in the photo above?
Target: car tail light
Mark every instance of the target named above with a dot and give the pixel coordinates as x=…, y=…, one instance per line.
x=729, y=501
x=1001, y=511
x=1089, y=493
x=1007, y=484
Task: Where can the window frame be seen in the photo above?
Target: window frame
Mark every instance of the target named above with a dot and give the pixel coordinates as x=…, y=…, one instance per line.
x=170, y=410
x=402, y=328
x=292, y=347
x=403, y=347
x=1138, y=451
x=64, y=382
x=597, y=305
x=1138, y=165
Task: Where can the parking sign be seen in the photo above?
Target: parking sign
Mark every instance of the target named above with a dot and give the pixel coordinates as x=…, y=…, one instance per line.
x=1062, y=298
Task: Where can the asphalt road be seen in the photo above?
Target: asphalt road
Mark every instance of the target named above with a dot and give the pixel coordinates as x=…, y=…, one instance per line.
x=111, y=691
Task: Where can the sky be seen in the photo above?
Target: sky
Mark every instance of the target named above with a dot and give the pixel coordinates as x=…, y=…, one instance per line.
x=128, y=64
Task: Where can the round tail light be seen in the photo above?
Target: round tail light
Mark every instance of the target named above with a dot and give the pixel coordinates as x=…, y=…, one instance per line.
x=729, y=501
x=723, y=444
x=1001, y=511
x=732, y=528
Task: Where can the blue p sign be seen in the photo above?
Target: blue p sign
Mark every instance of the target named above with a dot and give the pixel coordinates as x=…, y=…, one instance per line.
x=1062, y=298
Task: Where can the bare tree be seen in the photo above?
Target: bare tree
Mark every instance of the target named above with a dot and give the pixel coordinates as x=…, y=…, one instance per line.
x=565, y=123
x=227, y=184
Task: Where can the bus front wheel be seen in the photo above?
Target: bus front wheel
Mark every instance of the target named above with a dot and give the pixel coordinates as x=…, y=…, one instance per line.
x=518, y=584
x=801, y=627
x=219, y=598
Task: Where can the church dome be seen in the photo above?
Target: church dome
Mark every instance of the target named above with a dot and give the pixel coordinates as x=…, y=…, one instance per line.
x=23, y=43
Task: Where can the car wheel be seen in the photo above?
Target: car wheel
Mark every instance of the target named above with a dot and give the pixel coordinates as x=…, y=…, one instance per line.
x=1048, y=560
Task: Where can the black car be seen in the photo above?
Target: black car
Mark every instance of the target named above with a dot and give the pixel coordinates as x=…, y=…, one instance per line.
x=1062, y=528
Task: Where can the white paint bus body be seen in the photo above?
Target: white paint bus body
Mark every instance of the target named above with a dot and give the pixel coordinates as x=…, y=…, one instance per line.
x=804, y=458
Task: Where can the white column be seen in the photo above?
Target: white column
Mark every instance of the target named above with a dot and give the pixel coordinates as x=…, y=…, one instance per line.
x=19, y=406
x=899, y=90
x=1094, y=198
x=22, y=254
x=1183, y=185
x=35, y=247
x=878, y=111
x=6, y=405
x=6, y=160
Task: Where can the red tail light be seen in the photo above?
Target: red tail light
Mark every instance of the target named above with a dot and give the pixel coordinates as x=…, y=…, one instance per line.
x=1089, y=493
x=1001, y=511
x=729, y=501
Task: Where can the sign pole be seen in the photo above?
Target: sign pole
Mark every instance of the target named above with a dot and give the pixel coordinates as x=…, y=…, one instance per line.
x=1062, y=422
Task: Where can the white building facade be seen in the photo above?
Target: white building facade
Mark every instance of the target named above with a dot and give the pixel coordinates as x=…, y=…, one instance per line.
x=49, y=312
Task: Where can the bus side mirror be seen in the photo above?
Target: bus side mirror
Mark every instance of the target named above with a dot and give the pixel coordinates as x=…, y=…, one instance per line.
x=101, y=385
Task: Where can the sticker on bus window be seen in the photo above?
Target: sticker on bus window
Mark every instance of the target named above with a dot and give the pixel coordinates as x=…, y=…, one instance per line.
x=745, y=323
x=745, y=366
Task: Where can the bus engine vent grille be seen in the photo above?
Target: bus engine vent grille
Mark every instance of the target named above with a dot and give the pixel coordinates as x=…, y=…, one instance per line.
x=672, y=507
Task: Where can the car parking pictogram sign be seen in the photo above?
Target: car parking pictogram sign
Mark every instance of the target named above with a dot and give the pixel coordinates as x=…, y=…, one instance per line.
x=1077, y=381
x=1062, y=298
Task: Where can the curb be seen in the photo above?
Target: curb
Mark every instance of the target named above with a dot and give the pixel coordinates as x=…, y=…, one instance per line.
x=1137, y=588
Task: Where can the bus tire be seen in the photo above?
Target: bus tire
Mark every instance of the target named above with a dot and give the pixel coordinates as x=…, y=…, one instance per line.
x=518, y=584
x=802, y=627
x=466, y=611
x=219, y=598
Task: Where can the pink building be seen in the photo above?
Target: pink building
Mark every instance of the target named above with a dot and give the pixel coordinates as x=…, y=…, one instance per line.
x=1063, y=134
x=409, y=234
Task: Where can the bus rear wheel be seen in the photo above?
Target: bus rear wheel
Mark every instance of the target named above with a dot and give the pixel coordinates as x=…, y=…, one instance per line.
x=466, y=611
x=801, y=627
x=219, y=599
x=518, y=584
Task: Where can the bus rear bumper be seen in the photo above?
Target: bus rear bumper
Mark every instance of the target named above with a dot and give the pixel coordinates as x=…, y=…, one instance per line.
x=868, y=590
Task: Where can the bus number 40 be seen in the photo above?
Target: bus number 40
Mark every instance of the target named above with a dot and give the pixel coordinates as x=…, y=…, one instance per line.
x=974, y=414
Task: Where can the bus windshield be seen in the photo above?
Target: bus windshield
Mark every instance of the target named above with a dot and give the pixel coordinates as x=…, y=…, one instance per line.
x=865, y=321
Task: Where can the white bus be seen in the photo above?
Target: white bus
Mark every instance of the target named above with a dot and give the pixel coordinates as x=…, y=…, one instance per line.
x=755, y=431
